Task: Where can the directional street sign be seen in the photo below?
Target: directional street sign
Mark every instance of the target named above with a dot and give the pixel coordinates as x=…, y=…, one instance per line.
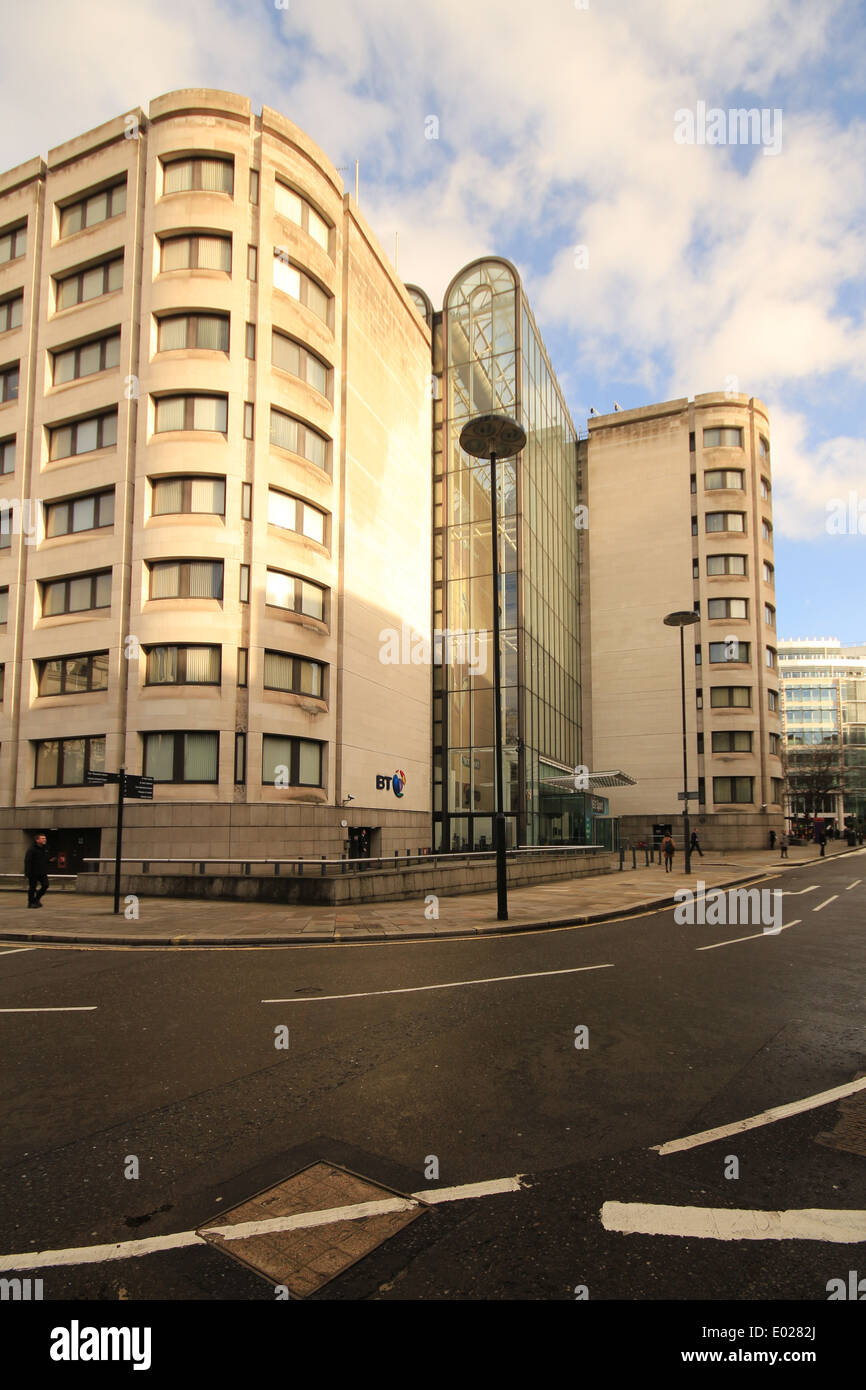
x=133, y=786
x=692, y=796
x=138, y=788
x=98, y=779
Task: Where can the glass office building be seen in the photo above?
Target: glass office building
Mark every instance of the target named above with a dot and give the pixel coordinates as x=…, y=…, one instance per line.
x=488, y=357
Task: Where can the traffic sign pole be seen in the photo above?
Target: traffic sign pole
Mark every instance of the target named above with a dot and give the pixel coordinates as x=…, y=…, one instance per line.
x=121, y=787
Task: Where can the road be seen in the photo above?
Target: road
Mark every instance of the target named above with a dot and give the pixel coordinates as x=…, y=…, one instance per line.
x=460, y=1050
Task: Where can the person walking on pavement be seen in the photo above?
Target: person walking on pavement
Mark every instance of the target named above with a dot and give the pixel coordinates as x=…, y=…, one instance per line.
x=668, y=848
x=36, y=871
x=695, y=844
x=783, y=845
x=823, y=843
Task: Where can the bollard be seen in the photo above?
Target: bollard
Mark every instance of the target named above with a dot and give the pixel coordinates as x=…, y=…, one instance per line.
x=633, y=857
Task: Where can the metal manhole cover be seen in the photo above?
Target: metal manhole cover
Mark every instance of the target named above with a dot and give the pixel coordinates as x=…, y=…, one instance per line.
x=310, y=1237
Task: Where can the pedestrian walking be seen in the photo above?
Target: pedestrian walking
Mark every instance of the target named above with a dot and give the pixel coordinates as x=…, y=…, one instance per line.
x=668, y=848
x=783, y=845
x=36, y=871
x=695, y=846
x=772, y=839
x=823, y=843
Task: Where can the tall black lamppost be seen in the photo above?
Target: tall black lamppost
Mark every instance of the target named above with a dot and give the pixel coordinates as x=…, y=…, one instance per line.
x=683, y=620
x=491, y=437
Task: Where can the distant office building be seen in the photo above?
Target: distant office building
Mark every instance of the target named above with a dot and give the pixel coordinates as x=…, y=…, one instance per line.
x=215, y=446
x=680, y=517
x=824, y=707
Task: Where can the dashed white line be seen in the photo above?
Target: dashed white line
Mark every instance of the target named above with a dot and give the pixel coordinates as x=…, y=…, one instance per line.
x=768, y=931
x=766, y=1117
x=796, y=892
x=731, y=1223
x=451, y=984
x=18, y=950
x=853, y=885
x=825, y=902
x=66, y=1009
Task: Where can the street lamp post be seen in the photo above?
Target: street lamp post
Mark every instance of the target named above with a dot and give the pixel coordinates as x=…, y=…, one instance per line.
x=682, y=620
x=492, y=437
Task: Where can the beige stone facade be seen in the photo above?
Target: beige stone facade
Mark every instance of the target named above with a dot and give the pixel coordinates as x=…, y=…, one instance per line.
x=223, y=402
x=680, y=517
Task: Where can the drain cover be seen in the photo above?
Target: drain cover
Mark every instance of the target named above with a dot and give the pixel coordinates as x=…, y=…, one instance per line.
x=310, y=1237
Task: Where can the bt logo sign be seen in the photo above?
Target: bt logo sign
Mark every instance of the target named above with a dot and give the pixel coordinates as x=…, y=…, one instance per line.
x=396, y=782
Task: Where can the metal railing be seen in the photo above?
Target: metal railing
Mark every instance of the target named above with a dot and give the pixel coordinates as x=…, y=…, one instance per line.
x=326, y=867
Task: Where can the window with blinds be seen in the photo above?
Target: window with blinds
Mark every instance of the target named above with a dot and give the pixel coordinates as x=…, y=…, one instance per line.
x=296, y=675
x=188, y=494
x=206, y=331
x=196, y=253
x=194, y=665
x=89, y=284
x=297, y=595
x=296, y=209
x=203, y=175
x=181, y=757
x=191, y=413
x=293, y=514
x=99, y=355
x=290, y=356
x=296, y=762
x=186, y=579
x=287, y=432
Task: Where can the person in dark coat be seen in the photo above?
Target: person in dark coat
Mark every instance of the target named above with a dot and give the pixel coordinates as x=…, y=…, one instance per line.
x=36, y=871
x=695, y=845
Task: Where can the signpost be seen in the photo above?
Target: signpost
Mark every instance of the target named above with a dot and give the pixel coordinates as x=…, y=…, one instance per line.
x=135, y=788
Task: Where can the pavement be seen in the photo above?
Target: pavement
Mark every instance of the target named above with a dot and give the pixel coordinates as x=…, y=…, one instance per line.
x=84, y=919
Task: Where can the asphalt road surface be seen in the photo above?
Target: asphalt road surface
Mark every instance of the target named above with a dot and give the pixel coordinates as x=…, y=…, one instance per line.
x=471, y=1052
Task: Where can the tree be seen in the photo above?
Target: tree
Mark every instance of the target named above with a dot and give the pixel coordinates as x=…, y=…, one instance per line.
x=813, y=771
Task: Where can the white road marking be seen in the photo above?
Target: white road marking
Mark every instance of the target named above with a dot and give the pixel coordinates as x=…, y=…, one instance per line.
x=768, y=931
x=726, y=1223
x=452, y=984
x=853, y=885
x=66, y=1009
x=152, y=1245
x=19, y=949
x=825, y=902
x=766, y=1117
x=796, y=892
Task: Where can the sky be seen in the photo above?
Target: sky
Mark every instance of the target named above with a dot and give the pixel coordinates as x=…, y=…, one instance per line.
x=566, y=136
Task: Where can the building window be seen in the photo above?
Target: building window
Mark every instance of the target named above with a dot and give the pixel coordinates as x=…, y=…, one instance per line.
x=198, y=175
x=298, y=438
x=13, y=243
x=254, y=186
x=772, y=701
x=207, y=331
x=716, y=478
x=732, y=741
x=774, y=744
x=181, y=757
x=250, y=342
x=244, y=584
x=174, y=496
x=694, y=482
x=769, y=573
x=240, y=758
x=7, y=455
x=724, y=438
x=699, y=698
x=194, y=665
x=85, y=285
x=728, y=608
x=726, y=564
x=731, y=697
x=765, y=489
x=296, y=209
x=769, y=615
x=186, y=579
x=252, y=263
x=770, y=657
x=246, y=501
x=696, y=569
x=243, y=665
x=72, y=675
x=87, y=359
x=65, y=762
x=297, y=675
x=294, y=594
x=691, y=441
x=87, y=513
x=9, y=384
x=702, y=791
x=249, y=420
x=294, y=762
x=95, y=208
x=730, y=651
x=4, y=605
x=730, y=789
x=763, y=448
x=292, y=357
x=11, y=312
x=698, y=658
x=196, y=253
x=6, y=515
x=2, y=682
x=191, y=413
x=293, y=514
x=700, y=743
x=83, y=436
x=293, y=281
x=726, y=521
x=81, y=593
x=766, y=531
x=694, y=526
x=777, y=786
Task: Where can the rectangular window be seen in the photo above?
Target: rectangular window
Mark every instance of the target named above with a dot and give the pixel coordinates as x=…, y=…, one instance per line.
x=696, y=569
x=243, y=665
x=181, y=757
x=698, y=658
x=694, y=482
x=65, y=762
x=246, y=501
x=295, y=594
x=11, y=313
x=763, y=447
x=726, y=564
x=769, y=573
x=9, y=377
x=732, y=741
x=723, y=478
x=730, y=651
x=774, y=744
x=728, y=608
x=13, y=243
x=726, y=438
x=293, y=514
x=296, y=209
x=196, y=253
x=699, y=698
x=294, y=674
x=7, y=455
x=293, y=281
x=769, y=615
x=254, y=186
x=194, y=665
x=250, y=346
x=290, y=356
x=79, y=594
x=776, y=790
x=176, y=495
x=765, y=489
x=244, y=584
x=84, y=285
x=766, y=531
x=99, y=355
x=83, y=436
x=770, y=657
x=732, y=789
x=691, y=442
x=186, y=579
x=252, y=263
x=725, y=521
x=191, y=413
x=240, y=758
x=4, y=605
x=248, y=420
x=203, y=175
x=296, y=762
x=205, y=331
x=700, y=743
x=87, y=513
x=298, y=438
x=731, y=697
x=95, y=208
x=72, y=675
